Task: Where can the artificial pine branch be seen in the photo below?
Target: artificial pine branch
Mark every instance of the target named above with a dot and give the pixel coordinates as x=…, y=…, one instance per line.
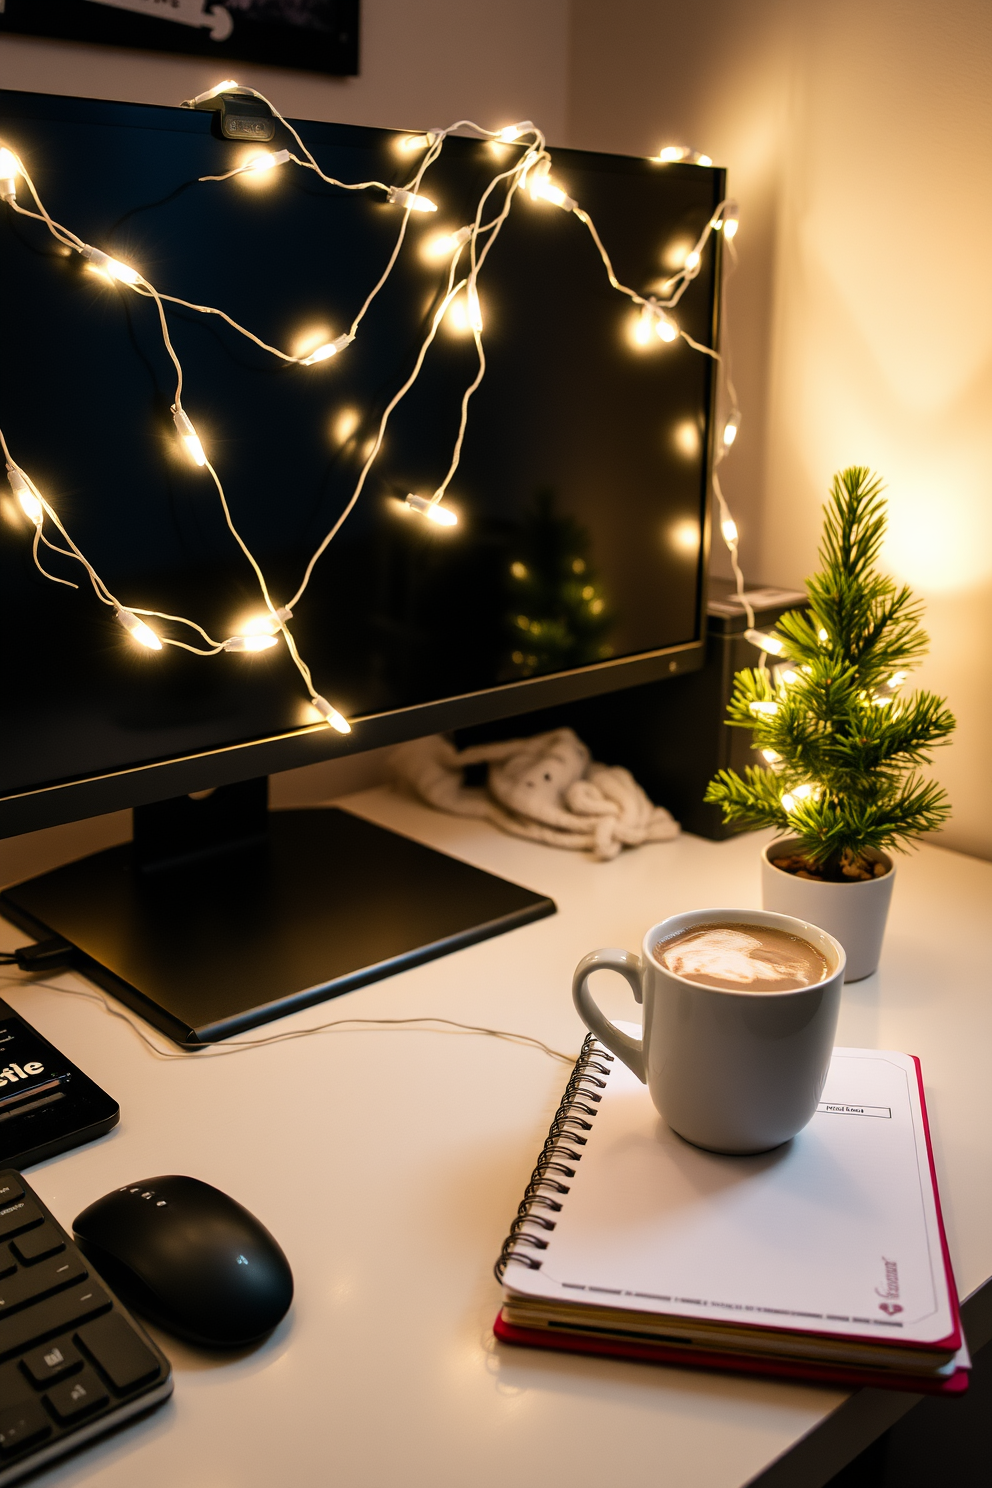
x=843, y=742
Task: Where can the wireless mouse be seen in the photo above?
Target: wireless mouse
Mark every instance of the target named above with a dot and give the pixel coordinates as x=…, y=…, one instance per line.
x=189, y=1258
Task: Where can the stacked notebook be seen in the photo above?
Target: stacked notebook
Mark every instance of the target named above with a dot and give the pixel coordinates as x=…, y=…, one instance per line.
x=824, y=1259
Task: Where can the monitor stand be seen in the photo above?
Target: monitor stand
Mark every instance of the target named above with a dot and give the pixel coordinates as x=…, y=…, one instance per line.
x=221, y=915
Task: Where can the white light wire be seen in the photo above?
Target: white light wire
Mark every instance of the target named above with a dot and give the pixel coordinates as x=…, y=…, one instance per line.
x=533, y=157
x=223, y=1047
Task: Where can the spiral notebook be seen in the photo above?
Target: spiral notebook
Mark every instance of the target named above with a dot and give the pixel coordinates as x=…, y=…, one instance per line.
x=824, y=1259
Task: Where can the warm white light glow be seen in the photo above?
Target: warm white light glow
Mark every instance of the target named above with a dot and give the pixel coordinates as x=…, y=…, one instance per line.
x=789, y=676
x=267, y=160
x=729, y=220
x=250, y=643
x=541, y=189
x=765, y=709
x=684, y=535
x=138, y=630
x=10, y=169
x=692, y=259
x=28, y=501
x=730, y=428
x=344, y=425
x=189, y=437
x=412, y=201
x=798, y=793
x=653, y=321
x=262, y=625
x=225, y=87
x=456, y=316
x=771, y=755
x=512, y=132
x=821, y=635
x=729, y=529
x=327, y=349
x=765, y=642
x=681, y=154
x=331, y=715
x=664, y=327
x=442, y=246
x=686, y=438
x=897, y=679
x=443, y=516
x=111, y=267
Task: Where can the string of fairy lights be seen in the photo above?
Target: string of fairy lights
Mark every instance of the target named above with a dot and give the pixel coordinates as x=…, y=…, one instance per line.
x=465, y=250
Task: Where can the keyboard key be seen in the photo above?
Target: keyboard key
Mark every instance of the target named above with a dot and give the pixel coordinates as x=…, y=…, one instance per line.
x=10, y=1189
x=21, y=1424
x=7, y=1262
x=56, y=1315
x=51, y=1362
x=120, y=1353
x=20, y=1215
x=77, y=1397
x=38, y=1281
x=38, y=1243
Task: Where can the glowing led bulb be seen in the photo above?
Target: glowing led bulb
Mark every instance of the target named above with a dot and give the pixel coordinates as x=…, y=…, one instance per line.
x=789, y=677
x=21, y=487
x=692, y=259
x=798, y=793
x=331, y=715
x=138, y=630
x=729, y=220
x=444, y=245
x=112, y=267
x=10, y=169
x=267, y=160
x=821, y=635
x=398, y=196
x=432, y=510
x=474, y=308
x=265, y=625
x=542, y=189
x=681, y=154
x=189, y=437
x=771, y=755
x=329, y=349
x=729, y=529
x=763, y=709
x=731, y=428
x=250, y=643
x=512, y=132
x=897, y=679
x=654, y=321
x=225, y=87
x=765, y=642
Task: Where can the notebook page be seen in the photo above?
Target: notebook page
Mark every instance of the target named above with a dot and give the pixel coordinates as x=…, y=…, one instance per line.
x=835, y=1232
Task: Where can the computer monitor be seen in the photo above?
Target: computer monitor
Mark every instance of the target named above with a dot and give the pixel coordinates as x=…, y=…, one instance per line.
x=577, y=564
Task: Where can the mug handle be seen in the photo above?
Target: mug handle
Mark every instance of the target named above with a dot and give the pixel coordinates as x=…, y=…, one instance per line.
x=629, y=965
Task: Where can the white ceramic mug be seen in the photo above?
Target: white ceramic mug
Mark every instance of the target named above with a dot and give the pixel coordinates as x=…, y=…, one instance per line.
x=731, y=1071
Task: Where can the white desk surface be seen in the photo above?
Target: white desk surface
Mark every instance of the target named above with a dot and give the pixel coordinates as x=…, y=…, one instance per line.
x=390, y=1163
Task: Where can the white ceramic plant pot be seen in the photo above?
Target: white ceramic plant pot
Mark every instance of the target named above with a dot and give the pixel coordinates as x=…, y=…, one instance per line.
x=853, y=913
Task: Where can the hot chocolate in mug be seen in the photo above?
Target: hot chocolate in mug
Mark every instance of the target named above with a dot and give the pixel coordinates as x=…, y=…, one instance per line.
x=735, y=1057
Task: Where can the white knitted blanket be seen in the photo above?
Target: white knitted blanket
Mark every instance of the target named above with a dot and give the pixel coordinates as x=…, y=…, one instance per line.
x=547, y=788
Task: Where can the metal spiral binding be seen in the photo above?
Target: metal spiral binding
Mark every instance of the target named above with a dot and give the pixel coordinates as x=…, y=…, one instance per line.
x=577, y=1104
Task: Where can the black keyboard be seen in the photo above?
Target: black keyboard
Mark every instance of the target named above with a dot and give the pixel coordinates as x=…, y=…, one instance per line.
x=73, y=1362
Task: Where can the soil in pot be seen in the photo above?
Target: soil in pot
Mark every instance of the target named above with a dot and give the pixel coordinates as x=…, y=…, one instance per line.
x=848, y=869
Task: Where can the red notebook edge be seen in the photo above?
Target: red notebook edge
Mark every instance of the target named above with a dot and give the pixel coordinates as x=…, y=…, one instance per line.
x=956, y=1338
x=819, y=1373
x=658, y=1353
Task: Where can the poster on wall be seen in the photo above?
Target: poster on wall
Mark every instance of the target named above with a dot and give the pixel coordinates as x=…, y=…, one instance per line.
x=319, y=35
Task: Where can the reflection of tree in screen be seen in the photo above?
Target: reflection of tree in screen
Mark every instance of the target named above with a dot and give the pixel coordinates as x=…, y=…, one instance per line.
x=310, y=15
x=558, y=616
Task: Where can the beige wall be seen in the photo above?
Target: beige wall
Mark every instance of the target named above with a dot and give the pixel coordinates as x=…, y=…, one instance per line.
x=422, y=64
x=858, y=136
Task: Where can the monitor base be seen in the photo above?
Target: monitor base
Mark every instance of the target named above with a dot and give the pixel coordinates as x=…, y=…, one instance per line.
x=208, y=945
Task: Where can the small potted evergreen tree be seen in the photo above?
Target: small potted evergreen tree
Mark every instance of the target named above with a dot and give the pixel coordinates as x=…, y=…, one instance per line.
x=842, y=744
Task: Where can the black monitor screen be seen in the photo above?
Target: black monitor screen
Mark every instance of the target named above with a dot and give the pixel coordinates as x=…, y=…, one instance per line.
x=580, y=495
